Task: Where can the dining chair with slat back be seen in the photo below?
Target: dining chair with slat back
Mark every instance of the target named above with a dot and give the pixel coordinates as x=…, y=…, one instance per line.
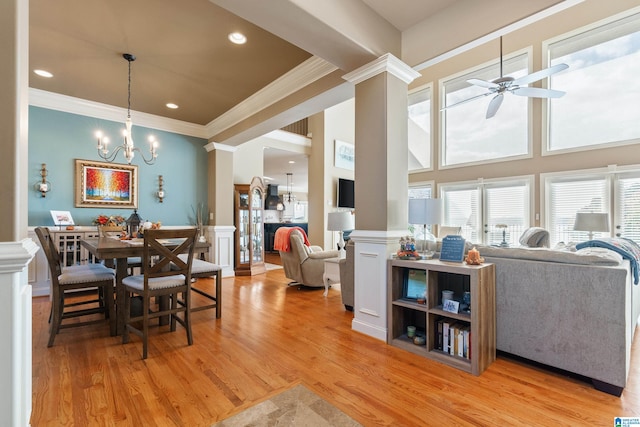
x=94, y=278
x=201, y=269
x=44, y=235
x=161, y=281
x=114, y=231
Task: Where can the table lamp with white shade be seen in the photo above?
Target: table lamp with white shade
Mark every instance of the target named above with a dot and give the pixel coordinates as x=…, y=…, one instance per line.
x=591, y=221
x=425, y=211
x=341, y=222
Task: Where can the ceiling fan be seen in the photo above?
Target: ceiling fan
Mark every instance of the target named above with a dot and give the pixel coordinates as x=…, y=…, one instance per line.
x=499, y=86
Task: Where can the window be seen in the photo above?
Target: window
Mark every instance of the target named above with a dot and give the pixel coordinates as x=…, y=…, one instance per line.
x=420, y=191
x=567, y=194
x=469, y=137
x=462, y=209
x=507, y=205
x=602, y=87
x=627, y=206
x=419, y=130
x=482, y=208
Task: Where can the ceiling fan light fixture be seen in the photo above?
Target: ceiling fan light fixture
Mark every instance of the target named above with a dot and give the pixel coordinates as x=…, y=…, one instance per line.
x=516, y=86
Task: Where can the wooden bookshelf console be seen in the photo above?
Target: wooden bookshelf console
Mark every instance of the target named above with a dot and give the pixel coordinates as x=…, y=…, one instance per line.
x=480, y=323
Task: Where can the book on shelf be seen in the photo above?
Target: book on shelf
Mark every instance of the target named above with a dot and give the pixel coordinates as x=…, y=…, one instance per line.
x=453, y=342
x=460, y=341
x=446, y=324
x=439, y=323
x=467, y=349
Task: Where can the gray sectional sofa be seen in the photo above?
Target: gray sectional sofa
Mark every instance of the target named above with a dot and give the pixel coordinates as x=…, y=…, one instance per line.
x=573, y=311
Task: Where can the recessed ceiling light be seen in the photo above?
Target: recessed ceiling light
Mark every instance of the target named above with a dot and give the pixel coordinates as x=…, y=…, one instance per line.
x=172, y=105
x=291, y=162
x=43, y=73
x=237, y=38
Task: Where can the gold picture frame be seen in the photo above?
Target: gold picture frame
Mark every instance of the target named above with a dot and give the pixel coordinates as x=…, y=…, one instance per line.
x=109, y=185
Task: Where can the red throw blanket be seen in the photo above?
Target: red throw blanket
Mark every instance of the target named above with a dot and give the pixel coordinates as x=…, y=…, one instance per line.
x=282, y=241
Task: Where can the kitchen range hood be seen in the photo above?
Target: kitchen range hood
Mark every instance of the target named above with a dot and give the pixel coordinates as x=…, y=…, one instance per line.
x=272, y=199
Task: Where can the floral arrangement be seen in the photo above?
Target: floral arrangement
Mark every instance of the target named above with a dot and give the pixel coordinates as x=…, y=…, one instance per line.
x=109, y=220
x=148, y=225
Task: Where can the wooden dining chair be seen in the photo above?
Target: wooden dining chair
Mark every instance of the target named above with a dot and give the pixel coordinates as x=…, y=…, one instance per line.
x=201, y=269
x=161, y=281
x=68, y=281
x=113, y=231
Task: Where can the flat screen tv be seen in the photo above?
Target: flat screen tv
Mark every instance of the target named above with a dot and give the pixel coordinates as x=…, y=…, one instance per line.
x=415, y=283
x=346, y=197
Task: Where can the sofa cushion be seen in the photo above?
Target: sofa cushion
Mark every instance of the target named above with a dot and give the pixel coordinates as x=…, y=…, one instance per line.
x=627, y=248
x=535, y=237
x=549, y=255
x=600, y=252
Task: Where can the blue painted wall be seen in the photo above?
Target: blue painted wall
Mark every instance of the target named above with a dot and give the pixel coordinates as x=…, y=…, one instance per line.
x=57, y=139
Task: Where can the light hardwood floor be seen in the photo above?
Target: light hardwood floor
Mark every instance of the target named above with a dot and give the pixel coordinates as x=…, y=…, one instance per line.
x=271, y=337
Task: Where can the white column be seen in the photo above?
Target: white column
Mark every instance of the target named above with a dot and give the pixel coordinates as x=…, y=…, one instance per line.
x=15, y=334
x=372, y=250
x=222, y=247
x=381, y=184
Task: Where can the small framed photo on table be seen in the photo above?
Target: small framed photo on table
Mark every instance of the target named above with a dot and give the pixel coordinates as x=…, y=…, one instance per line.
x=450, y=306
x=62, y=218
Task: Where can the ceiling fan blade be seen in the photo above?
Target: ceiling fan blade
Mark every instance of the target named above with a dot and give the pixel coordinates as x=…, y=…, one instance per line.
x=538, y=92
x=495, y=103
x=483, y=83
x=465, y=101
x=538, y=75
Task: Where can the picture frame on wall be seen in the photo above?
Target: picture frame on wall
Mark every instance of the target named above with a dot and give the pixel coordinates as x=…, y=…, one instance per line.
x=109, y=185
x=344, y=155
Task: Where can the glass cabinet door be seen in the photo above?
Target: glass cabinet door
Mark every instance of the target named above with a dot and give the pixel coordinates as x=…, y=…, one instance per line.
x=243, y=239
x=249, y=235
x=256, y=219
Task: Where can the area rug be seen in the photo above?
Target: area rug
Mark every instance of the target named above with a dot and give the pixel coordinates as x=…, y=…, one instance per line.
x=297, y=406
x=272, y=266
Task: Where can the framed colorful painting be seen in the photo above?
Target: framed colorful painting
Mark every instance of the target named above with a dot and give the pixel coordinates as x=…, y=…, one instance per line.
x=107, y=185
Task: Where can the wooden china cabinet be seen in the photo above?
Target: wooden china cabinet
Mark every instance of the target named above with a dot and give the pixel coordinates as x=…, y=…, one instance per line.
x=249, y=221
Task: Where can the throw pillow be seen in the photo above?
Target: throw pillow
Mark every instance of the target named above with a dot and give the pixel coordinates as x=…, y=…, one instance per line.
x=535, y=237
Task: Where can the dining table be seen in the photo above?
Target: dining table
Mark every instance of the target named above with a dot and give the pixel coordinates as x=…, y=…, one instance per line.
x=115, y=253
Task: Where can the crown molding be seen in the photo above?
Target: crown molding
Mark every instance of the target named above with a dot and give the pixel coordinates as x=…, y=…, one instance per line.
x=311, y=70
x=386, y=63
x=278, y=135
x=83, y=107
x=289, y=137
x=213, y=146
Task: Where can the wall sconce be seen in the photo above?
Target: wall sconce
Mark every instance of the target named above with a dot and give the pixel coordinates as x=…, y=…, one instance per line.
x=160, y=189
x=43, y=186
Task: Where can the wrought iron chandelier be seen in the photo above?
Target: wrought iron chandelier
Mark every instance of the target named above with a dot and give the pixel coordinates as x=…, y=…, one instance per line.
x=127, y=147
